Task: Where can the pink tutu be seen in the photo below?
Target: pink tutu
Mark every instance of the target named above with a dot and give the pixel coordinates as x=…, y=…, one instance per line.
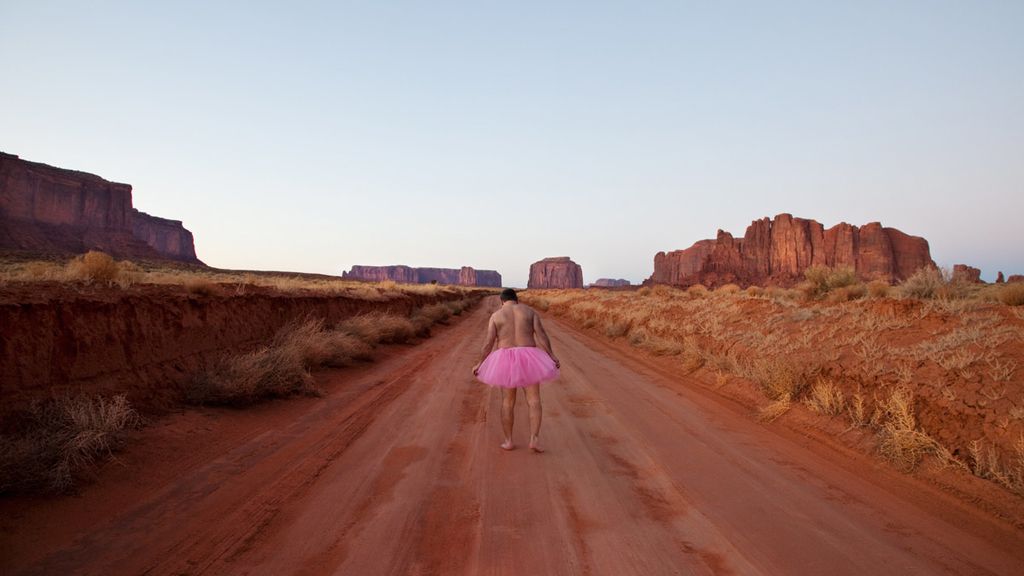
x=517, y=367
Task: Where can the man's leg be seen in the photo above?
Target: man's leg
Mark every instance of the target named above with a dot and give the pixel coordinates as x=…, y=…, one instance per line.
x=533, y=400
x=508, y=416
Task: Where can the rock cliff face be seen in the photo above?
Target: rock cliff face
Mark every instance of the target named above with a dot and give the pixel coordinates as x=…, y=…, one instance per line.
x=1015, y=278
x=52, y=210
x=465, y=276
x=966, y=273
x=558, y=272
x=610, y=283
x=778, y=251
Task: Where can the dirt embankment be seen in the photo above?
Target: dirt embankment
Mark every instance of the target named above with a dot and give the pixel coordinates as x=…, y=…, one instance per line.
x=146, y=341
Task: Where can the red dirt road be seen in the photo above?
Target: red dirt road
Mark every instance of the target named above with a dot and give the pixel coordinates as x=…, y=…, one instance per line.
x=398, y=471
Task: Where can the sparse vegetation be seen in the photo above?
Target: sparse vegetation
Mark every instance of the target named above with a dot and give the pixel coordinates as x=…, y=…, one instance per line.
x=62, y=439
x=905, y=371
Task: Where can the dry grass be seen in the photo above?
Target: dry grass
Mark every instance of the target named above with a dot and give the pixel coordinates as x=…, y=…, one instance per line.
x=63, y=439
x=821, y=280
x=774, y=409
x=900, y=440
x=1012, y=294
x=779, y=378
x=879, y=289
x=987, y=464
x=97, y=267
x=826, y=398
x=697, y=291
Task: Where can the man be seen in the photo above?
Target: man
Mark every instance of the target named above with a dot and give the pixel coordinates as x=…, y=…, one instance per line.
x=523, y=359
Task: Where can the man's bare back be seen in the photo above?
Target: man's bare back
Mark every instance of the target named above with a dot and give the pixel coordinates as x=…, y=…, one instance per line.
x=516, y=325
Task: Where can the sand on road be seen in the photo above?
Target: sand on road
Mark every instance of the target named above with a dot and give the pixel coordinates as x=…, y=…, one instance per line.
x=397, y=470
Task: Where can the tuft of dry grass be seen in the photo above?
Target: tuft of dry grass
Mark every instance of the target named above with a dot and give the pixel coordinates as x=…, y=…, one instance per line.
x=779, y=378
x=879, y=289
x=774, y=409
x=900, y=441
x=988, y=465
x=615, y=328
x=63, y=439
x=697, y=291
x=826, y=398
x=93, y=266
x=728, y=289
x=201, y=286
x=1012, y=294
x=378, y=328
x=821, y=280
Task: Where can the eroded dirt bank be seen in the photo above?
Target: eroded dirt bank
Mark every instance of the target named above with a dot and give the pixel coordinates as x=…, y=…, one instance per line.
x=396, y=470
x=145, y=341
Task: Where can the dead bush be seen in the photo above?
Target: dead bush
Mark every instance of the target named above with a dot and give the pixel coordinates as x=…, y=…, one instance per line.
x=63, y=439
x=93, y=266
x=901, y=443
x=826, y=398
x=697, y=291
x=201, y=286
x=923, y=284
x=616, y=328
x=1012, y=294
x=728, y=289
x=846, y=293
x=779, y=378
x=755, y=291
x=821, y=280
x=878, y=289
x=987, y=464
x=378, y=328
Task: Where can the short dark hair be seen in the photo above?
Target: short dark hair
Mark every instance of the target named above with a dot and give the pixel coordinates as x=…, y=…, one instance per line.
x=509, y=294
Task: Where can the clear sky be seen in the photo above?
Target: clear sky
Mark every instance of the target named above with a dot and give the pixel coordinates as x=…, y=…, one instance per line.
x=311, y=136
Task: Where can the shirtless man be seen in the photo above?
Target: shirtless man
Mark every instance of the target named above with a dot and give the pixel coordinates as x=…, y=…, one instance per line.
x=522, y=359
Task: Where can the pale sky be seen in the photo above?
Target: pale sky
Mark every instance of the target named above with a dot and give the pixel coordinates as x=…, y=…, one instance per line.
x=311, y=136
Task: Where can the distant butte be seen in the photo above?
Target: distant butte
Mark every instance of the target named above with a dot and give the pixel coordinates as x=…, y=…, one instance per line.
x=777, y=251
x=464, y=276
x=48, y=210
x=556, y=272
x=610, y=283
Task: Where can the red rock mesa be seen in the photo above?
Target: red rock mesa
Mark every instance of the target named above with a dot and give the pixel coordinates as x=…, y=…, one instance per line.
x=465, y=276
x=51, y=210
x=557, y=272
x=778, y=251
x=966, y=273
x=610, y=283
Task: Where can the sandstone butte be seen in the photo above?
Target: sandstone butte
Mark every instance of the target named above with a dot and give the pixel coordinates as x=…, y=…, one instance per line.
x=610, y=283
x=966, y=273
x=777, y=251
x=48, y=210
x=557, y=272
x=465, y=276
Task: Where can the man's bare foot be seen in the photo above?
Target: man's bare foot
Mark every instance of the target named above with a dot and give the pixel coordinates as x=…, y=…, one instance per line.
x=535, y=445
x=508, y=445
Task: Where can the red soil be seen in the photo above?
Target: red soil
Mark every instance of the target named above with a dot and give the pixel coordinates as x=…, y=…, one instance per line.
x=398, y=470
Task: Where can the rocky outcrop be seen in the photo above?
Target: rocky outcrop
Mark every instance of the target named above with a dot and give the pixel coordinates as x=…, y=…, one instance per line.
x=999, y=278
x=610, y=283
x=51, y=210
x=465, y=276
x=965, y=273
x=1015, y=278
x=777, y=251
x=558, y=272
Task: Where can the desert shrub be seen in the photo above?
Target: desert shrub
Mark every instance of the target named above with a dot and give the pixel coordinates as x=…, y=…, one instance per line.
x=93, y=266
x=644, y=291
x=755, y=291
x=878, y=289
x=774, y=409
x=900, y=441
x=378, y=328
x=728, y=289
x=847, y=293
x=924, y=284
x=663, y=290
x=697, y=291
x=541, y=304
x=780, y=378
x=826, y=398
x=820, y=280
x=62, y=439
x=616, y=328
x=1012, y=294
x=781, y=294
x=987, y=464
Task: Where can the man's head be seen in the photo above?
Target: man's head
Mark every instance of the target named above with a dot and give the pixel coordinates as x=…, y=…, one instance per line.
x=509, y=295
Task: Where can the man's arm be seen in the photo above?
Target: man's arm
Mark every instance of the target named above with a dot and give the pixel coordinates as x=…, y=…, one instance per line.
x=492, y=337
x=543, y=342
